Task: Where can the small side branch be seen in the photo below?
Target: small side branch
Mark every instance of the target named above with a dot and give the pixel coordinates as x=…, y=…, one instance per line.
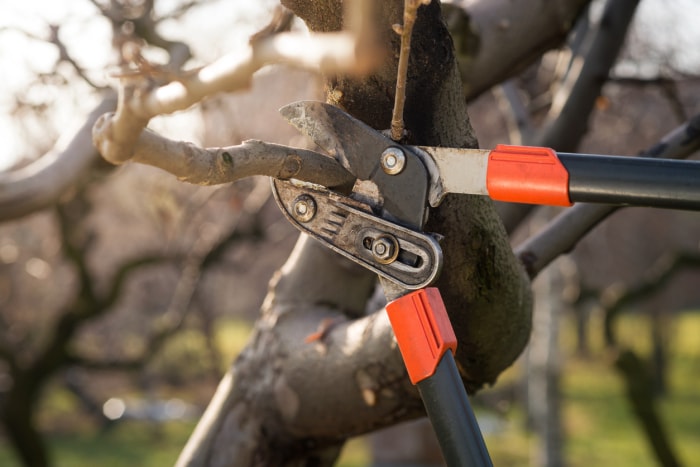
x=658, y=277
x=406, y=30
x=214, y=166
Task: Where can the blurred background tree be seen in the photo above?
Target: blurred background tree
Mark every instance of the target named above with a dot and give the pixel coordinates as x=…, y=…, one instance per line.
x=113, y=305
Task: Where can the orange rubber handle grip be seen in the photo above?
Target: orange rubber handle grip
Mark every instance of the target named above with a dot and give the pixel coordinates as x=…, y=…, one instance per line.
x=524, y=174
x=423, y=331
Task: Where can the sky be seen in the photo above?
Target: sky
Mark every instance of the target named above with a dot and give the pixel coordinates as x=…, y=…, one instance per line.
x=228, y=25
x=21, y=57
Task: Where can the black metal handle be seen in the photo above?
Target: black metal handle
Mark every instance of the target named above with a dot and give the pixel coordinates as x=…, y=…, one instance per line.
x=636, y=181
x=452, y=417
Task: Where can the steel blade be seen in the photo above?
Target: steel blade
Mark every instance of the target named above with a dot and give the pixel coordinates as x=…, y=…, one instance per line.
x=454, y=171
x=355, y=144
x=313, y=121
x=401, y=196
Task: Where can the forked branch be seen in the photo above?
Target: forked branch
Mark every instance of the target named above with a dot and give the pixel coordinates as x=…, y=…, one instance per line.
x=117, y=135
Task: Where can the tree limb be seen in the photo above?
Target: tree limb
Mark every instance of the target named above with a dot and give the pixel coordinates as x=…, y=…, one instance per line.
x=640, y=394
x=631, y=368
x=214, y=166
x=316, y=370
x=39, y=184
x=124, y=272
x=116, y=135
x=563, y=233
x=620, y=299
x=361, y=353
x=567, y=120
x=496, y=39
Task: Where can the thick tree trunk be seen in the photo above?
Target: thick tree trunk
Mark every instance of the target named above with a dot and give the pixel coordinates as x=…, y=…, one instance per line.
x=640, y=395
x=317, y=370
x=478, y=260
x=543, y=374
x=17, y=418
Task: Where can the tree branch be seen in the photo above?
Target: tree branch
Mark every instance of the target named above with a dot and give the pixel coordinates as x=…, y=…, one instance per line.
x=410, y=11
x=39, y=184
x=517, y=118
x=316, y=370
x=619, y=299
x=116, y=135
x=360, y=352
x=214, y=166
x=124, y=272
x=638, y=388
x=563, y=233
x=588, y=69
x=496, y=39
x=567, y=120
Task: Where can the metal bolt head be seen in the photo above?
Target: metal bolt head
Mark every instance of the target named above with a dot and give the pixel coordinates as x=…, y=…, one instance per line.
x=385, y=249
x=393, y=161
x=304, y=208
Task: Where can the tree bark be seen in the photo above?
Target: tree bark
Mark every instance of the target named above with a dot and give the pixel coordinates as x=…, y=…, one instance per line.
x=490, y=36
x=543, y=371
x=17, y=415
x=478, y=260
x=317, y=370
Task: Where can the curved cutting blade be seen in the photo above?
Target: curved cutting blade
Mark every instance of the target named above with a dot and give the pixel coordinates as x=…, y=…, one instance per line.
x=356, y=145
x=359, y=147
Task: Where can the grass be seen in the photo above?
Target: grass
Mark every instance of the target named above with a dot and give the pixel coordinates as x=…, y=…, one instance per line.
x=599, y=427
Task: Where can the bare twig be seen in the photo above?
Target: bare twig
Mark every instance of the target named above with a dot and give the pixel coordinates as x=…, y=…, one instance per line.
x=52, y=37
x=410, y=13
x=65, y=56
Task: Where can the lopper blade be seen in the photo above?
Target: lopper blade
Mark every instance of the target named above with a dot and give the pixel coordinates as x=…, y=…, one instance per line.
x=401, y=197
x=344, y=137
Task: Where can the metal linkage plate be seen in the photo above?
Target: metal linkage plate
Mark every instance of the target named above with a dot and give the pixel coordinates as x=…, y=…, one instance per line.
x=410, y=259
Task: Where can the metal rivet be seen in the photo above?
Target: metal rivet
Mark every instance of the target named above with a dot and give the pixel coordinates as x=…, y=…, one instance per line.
x=304, y=208
x=385, y=249
x=393, y=160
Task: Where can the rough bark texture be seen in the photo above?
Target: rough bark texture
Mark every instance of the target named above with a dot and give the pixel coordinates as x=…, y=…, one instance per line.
x=480, y=283
x=317, y=370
